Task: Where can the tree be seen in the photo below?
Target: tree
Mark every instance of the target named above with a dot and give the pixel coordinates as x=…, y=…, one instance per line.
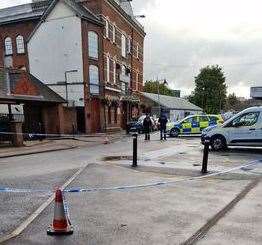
x=232, y=102
x=152, y=87
x=210, y=89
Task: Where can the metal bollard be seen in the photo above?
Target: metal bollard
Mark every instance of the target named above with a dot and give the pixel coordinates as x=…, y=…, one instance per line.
x=205, y=156
x=134, y=165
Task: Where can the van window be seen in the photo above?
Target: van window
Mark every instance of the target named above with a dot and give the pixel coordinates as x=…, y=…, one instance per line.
x=246, y=120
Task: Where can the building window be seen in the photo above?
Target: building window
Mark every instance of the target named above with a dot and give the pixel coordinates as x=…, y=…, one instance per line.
x=137, y=80
x=129, y=45
x=123, y=45
x=107, y=69
x=107, y=29
x=93, y=44
x=94, y=80
x=137, y=50
x=20, y=45
x=114, y=33
x=114, y=71
x=8, y=46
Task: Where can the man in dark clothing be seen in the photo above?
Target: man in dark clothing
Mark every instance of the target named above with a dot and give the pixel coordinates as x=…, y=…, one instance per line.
x=162, y=121
x=147, y=124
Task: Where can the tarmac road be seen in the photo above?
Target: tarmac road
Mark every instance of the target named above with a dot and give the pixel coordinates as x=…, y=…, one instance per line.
x=166, y=215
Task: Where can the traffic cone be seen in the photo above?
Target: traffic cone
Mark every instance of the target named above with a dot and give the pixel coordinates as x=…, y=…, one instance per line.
x=106, y=141
x=61, y=224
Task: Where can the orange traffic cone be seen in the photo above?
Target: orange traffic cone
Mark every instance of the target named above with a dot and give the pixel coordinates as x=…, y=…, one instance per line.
x=61, y=224
x=106, y=141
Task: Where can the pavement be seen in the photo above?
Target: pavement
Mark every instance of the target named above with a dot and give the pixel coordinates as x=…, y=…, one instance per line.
x=58, y=144
x=212, y=210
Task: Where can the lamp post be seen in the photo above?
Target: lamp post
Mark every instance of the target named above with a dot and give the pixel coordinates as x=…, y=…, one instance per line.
x=158, y=92
x=66, y=83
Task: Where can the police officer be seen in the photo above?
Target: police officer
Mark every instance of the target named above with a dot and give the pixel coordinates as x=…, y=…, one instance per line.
x=162, y=121
x=147, y=124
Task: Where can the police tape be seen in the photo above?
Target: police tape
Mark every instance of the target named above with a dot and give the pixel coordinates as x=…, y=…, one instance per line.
x=31, y=135
x=245, y=167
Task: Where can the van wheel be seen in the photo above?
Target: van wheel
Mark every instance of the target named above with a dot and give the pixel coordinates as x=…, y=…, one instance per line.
x=218, y=143
x=174, y=132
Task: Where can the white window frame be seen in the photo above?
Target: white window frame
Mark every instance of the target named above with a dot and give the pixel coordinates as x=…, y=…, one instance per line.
x=123, y=45
x=107, y=69
x=93, y=47
x=8, y=46
x=137, y=80
x=94, y=80
x=20, y=44
x=129, y=45
x=137, y=50
x=107, y=28
x=114, y=71
x=114, y=33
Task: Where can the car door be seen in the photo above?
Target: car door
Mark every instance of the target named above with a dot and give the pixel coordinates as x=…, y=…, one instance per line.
x=203, y=122
x=186, y=125
x=244, y=129
x=258, y=132
x=195, y=125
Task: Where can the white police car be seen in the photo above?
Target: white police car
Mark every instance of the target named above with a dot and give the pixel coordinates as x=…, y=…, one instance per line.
x=243, y=129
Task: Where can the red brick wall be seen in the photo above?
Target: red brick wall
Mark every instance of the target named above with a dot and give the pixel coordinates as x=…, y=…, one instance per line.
x=52, y=116
x=93, y=121
x=103, y=8
x=13, y=30
x=24, y=86
x=70, y=120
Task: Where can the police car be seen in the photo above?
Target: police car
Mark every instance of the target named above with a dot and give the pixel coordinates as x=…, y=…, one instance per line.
x=193, y=124
x=243, y=129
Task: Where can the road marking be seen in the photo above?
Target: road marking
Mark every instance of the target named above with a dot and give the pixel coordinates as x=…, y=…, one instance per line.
x=35, y=214
x=213, y=221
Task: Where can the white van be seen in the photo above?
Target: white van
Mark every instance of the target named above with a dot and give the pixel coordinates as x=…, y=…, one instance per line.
x=243, y=129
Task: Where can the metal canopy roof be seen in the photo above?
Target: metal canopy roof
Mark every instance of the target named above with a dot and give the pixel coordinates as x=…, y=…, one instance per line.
x=171, y=102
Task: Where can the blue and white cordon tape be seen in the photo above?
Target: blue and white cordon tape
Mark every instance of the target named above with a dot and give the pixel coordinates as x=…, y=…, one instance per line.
x=245, y=167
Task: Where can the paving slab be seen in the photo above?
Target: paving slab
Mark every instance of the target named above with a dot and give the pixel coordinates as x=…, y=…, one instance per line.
x=242, y=225
x=159, y=215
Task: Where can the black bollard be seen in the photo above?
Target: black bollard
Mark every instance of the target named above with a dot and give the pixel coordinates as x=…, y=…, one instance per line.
x=134, y=165
x=205, y=156
x=74, y=130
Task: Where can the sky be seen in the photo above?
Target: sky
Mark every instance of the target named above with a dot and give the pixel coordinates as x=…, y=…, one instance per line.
x=184, y=36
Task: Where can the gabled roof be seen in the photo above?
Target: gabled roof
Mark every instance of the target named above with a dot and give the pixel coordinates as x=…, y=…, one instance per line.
x=23, y=12
x=81, y=11
x=171, y=102
x=21, y=86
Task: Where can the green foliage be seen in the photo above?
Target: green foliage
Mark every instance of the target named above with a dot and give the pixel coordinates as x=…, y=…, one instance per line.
x=210, y=89
x=152, y=87
x=232, y=102
x=235, y=104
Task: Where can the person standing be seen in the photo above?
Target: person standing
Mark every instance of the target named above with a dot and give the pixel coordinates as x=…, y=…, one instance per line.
x=162, y=121
x=147, y=124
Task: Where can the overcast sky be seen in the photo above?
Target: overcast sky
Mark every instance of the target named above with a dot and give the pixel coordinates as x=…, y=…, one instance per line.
x=183, y=36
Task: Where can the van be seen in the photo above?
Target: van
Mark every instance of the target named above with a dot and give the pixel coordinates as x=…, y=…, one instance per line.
x=243, y=129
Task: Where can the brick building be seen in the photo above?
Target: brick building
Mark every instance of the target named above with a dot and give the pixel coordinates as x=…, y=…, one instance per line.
x=43, y=110
x=123, y=42
x=88, y=51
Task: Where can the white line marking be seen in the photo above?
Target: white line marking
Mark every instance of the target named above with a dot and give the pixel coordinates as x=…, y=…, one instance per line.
x=35, y=214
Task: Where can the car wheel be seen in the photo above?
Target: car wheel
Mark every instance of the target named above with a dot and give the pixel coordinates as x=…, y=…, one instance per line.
x=218, y=143
x=174, y=132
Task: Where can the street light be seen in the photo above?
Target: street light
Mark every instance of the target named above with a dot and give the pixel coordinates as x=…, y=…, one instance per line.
x=158, y=92
x=66, y=84
x=140, y=16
